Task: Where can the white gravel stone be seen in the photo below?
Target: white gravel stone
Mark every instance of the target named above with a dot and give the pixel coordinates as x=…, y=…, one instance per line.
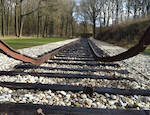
x=79, y=99
x=140, y=62
x=63, y=93
x=83, y=96
x=89, y=102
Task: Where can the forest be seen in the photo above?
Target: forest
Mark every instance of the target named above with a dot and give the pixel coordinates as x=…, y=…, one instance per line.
x=46, y=18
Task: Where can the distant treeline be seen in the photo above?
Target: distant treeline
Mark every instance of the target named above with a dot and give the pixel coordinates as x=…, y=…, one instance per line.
x=126, y=34
x=42, y=18
x=45, y=18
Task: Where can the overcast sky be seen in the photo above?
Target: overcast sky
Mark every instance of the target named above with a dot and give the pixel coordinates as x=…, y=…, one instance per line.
x=78, y=0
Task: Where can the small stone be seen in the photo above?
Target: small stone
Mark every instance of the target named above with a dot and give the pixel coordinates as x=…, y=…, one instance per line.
x=50, y=102
x=111, y=102
x=94, y=105
x=97, y=95
x=62, y=103
x=148, y=99
x=68, y=96
x=52, y=94
x=135, y=85
x=56, y=98
x=42, y=95
x=120, y=103
x=77, y=105
x=29, y=96
x=3, y=98
x=113, y=97
x=124, y=99
x=104, y=100
x=5, y=89
x=1, y=88
x=48, y=97
x=93, y=99
x=74, y=95
x=49, y=91
x=100, y=105
x=12, y=100
x=45, y=101
x=17, y=99
x=63, y=93
x=107, y=95
x=139, y=105
x=60, y=96
x=131, y=105
x=69, y=104
x=145, y=99
x=89, y=102
x=130, y=102
x=136, y=97
x=113, y=107
x=83, y=96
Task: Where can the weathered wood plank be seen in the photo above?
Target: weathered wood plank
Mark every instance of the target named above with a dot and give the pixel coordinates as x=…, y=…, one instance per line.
x=70, y=69
x=30, y=109
x=56, y=87
x=81, y=64
x=62, y=75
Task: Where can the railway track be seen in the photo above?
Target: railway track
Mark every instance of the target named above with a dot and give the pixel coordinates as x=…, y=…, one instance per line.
x=73, y=82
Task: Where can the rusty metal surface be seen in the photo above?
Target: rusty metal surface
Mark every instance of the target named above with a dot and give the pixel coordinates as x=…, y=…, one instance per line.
x=140, y=47
x=7, y=50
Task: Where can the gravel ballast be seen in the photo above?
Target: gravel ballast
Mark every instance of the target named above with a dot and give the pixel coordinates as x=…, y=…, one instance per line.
x=140, y=62
x=79, y=99
x=7, y=63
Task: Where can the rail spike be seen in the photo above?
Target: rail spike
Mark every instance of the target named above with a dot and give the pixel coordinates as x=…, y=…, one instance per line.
x=10, y=52
x=140, y=47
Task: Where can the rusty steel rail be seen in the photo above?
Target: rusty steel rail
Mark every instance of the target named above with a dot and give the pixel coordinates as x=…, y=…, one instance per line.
x=140, y=47
x=10, y=52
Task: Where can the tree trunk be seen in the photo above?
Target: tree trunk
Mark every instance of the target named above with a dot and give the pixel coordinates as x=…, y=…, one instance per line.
x=117, y=12
x=62, y=26
x=94, y=27
x=100, y=21
x=21, y=26
x=66, y=33
x=8, y=21
x=16, y=21
x=38, y=20
x=148, y=8
x=45, y=26
x=38, y=24
x=3, y=18
x=135, y=11
x=128, y=9
x=104, y=23
x=72, y=28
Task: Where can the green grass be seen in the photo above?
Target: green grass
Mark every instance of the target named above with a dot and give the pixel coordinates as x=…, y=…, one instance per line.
x=19, y=43
x=147, y=51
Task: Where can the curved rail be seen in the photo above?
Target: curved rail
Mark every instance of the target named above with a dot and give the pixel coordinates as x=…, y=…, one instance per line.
x=10, y=52
x=140, y=47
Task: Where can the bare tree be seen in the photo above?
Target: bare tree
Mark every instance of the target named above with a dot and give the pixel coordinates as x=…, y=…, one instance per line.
x=91, y=8
x=3, y=17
